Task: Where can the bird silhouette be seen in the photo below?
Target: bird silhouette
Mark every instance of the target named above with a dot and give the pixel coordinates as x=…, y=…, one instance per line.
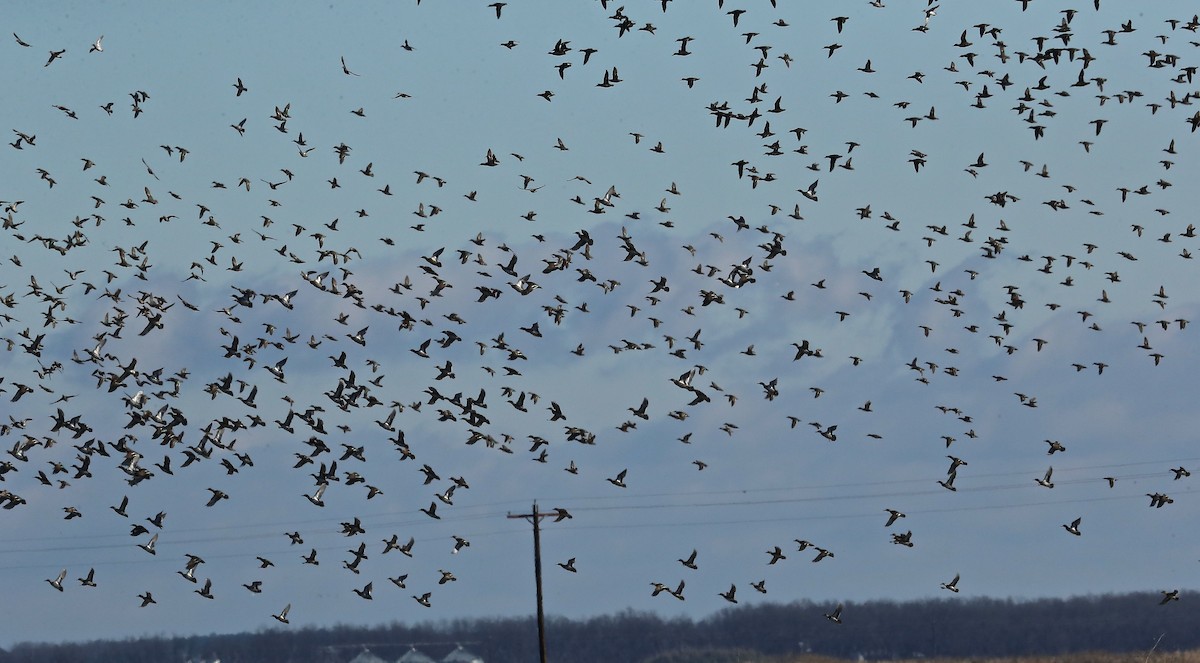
x=952, y=585
x=90, y=579
x=836, y=615
x=206, y=590
x=57, y=582
x=619, y=480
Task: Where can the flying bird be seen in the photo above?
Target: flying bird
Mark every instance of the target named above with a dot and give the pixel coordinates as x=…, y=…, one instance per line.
x=836, y=615
x=57, y=582
x=619, y=480
x=952, y=585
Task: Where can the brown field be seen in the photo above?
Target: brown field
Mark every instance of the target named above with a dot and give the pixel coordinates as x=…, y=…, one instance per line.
x=743, y=656
x=1157, y=656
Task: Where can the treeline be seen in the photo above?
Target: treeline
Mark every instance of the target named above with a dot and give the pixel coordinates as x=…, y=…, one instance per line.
x=954, y=627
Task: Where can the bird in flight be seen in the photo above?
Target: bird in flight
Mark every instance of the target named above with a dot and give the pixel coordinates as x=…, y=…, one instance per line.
x=1045, y=480
x=619, y=480
x=836, y=615
x=89, y=580
x=952, y=585
x=893, y=515
x=57, y=582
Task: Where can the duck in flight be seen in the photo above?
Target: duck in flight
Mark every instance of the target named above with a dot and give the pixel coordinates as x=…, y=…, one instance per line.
x=951, y=586
x=57, y=582
x=836, y=615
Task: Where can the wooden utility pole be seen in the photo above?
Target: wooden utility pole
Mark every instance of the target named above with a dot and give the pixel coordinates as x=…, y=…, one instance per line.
x=535, y=517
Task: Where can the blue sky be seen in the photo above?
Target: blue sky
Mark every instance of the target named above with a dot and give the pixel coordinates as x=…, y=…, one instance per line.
x=762, y=484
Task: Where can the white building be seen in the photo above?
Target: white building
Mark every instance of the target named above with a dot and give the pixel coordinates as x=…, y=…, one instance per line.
x=367, y=657
x=460, y=655
x=414, y=656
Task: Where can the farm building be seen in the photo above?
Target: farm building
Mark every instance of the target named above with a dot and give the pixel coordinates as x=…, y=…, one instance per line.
x=414, y=656
x=460, y=655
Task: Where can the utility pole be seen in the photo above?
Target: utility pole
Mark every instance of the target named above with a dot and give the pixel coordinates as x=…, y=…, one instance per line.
x=535, y=517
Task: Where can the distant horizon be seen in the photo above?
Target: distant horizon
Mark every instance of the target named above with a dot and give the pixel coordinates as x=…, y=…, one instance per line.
x=552, y=617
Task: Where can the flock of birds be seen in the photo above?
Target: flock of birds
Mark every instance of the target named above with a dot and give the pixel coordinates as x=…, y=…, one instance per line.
x=348, y=353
